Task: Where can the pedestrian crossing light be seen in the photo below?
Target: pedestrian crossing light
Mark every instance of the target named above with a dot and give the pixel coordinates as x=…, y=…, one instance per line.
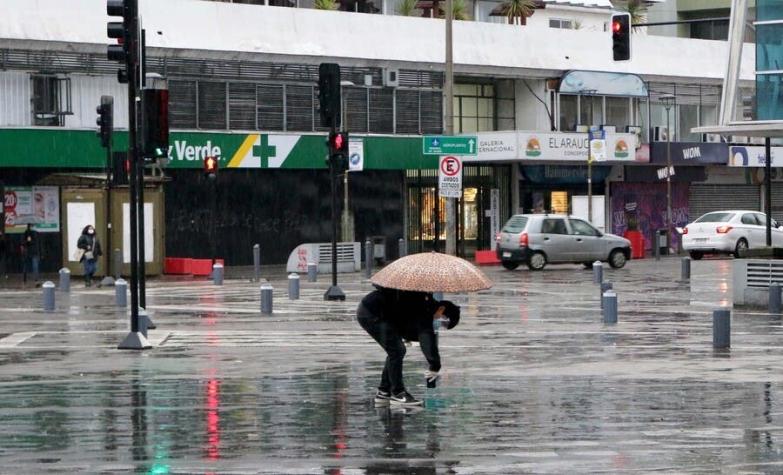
x=210, y=167
x=621, y=36
x=338, y=150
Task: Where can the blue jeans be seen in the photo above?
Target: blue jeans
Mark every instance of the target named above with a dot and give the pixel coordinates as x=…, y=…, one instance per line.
x=32, y=263
x=90, y=266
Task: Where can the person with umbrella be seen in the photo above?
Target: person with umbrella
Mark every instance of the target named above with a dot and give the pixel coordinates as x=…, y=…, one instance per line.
x=403, y=307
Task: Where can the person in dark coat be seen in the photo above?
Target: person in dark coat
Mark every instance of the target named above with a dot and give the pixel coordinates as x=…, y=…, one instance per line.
x=389, y=316
x=88, y=242
x=31, y=252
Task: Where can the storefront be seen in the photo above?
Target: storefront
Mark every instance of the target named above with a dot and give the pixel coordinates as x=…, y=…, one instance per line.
x=749, y=162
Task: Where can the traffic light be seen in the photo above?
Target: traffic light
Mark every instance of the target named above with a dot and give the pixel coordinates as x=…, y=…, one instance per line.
x=120, y=168
x=156, y=124
x=210, y=167
x=621, y=36
x=105, y=120
x=120, y=31
x=338, y=150
x=329, y=94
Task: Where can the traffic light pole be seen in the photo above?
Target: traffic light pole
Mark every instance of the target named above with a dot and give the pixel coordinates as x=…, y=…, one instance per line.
x=135, y=340
x=334, y=292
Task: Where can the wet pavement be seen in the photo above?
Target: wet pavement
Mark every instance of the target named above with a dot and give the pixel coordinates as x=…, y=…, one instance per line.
x=533, y=382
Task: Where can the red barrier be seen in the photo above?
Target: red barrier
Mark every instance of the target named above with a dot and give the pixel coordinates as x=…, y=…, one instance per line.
x=487, y=258
x=177, y=265
x=203, y=266
x=637, y=243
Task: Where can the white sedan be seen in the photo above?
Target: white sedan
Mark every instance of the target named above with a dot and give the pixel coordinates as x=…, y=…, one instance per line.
x=729, y=232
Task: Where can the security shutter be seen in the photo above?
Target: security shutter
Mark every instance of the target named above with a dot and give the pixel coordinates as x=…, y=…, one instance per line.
x=777, y=201
x=705, y=198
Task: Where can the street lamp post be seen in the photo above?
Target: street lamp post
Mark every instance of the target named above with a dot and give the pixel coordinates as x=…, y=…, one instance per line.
x=668, y=101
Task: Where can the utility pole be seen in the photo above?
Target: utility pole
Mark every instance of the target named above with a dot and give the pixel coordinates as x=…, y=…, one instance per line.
x=448, y=92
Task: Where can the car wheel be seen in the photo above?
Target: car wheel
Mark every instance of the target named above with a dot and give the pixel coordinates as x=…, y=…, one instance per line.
x=510, y=265
x=696, y=255
x=617, y=259
x=536, y=261
x=742, y=245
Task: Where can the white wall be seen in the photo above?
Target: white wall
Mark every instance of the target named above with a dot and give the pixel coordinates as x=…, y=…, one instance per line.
x=87, y=91
x=530, y=113
x=15, y=96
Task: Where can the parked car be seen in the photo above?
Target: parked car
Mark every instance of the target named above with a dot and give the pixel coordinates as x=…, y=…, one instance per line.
x=536, y=239
x=728, y=232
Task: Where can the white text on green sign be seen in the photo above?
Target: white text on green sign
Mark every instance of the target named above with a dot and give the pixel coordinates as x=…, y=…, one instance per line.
x=446, y=145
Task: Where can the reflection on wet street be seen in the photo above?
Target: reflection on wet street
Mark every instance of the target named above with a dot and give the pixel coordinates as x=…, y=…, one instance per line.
x=533, y=382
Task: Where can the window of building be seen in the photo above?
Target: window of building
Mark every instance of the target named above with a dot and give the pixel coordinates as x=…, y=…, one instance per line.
x=474, y=108
x=51, y=100
x=569, y=112
x=561, y=23
x=618, y=112
x=591, y=110
x=710, y=30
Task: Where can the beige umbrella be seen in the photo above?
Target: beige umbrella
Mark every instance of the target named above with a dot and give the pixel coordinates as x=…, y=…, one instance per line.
x=432, y=272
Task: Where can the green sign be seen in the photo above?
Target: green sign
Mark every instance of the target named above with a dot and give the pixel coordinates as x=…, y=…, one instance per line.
x=447, y=145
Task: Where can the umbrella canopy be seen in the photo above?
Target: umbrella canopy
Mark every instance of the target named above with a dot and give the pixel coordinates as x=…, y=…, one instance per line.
x=432, y=272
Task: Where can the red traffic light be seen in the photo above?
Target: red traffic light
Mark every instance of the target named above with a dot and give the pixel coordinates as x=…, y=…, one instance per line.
x=338, y=143
x=210, y=165
x=616, y=26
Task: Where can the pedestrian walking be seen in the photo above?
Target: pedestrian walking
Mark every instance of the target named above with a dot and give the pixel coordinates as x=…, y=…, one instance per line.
x=389, y=316
x=31, y=253
x=90, y=250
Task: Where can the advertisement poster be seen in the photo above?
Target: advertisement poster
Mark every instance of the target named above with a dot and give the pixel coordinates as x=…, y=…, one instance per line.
x=39, y=205
x=642, y=207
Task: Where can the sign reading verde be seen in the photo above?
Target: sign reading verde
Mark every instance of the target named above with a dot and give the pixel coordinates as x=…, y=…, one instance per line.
x=447, y=145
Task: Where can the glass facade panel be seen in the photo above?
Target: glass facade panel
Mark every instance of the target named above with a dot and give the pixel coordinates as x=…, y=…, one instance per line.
x=689, y=118
x=568, y=113
x=617, y=109
x=769, y=96
x=591, y=111
x=769, y=47
x=769, y=10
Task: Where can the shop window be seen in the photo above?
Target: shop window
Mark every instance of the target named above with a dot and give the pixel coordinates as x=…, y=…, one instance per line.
x=689, y=118
x=617, y=109
x=559, y=202
x=470, y=213
x=51, y=100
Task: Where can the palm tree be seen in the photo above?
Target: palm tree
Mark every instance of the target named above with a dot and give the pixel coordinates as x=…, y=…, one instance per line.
x=516, y=11
x=325, y=5
x=637, y=9
x=407, y=7
x=459, y=10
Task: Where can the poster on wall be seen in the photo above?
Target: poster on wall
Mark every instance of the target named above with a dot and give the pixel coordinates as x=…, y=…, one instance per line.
x=149, y=236
x=39, y=205
x=78, y=215
x=642, y=207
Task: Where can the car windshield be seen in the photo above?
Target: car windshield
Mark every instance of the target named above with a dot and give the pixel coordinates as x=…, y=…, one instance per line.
x=515, y=225
x=715, y=218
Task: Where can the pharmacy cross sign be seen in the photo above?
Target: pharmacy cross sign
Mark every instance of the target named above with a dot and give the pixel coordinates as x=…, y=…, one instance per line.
x=264, y=151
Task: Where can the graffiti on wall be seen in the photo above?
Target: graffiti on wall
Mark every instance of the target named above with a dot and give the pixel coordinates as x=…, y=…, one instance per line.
x=642, y=206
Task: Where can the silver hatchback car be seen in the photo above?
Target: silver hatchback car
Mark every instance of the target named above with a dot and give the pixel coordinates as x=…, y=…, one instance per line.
x=536, y=239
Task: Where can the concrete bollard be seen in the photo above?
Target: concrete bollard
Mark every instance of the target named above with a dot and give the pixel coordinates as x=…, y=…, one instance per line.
x=312, y=272
x=402, y=248
x=609, y=304
x=368, y=258
x=144, y=321
x=117, y=265
x=48, y=296
x=217, y=274
x=685, y=269
x=65, y=280
x=121, y=293
x=774, y=298
x=721, y=328
x=266, y=299
x=604, y=287
x=256, y=262
x=293, y=286
x=598, y=272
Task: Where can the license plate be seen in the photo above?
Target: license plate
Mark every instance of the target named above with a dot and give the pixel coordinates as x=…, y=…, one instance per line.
x=700, y=239
x=506, y=254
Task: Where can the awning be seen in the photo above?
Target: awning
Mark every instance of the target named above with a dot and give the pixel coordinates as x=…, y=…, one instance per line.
x=602, y=84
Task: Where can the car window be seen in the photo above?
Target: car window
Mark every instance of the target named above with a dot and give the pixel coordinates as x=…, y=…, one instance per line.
x=717, y=217
x=515, y=225
x=553, y=226
x=749, y=218
x=582, y=228
x=761, y=219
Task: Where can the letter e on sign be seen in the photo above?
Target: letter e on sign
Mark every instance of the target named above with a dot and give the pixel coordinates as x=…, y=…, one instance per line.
x=450, y=177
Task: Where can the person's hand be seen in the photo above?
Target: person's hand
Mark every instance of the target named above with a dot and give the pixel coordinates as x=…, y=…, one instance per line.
x=431, y=376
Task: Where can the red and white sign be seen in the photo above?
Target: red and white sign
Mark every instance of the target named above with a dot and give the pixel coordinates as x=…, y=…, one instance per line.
x=450, y=177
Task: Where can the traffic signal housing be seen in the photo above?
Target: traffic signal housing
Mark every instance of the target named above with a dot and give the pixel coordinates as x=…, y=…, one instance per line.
x=121, y=32
x=156, y=124
x=210, y=167
x=120, y=168
x=329, y=94
x=621, y=36
x=105, y=120
x=338, y=150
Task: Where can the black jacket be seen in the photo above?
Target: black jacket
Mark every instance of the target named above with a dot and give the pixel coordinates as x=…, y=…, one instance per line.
x=89, y=243
x=411, y=314
x=31, y=243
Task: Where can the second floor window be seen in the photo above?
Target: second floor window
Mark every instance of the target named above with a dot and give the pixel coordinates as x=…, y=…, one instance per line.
x=51, y=100
x=561, y=23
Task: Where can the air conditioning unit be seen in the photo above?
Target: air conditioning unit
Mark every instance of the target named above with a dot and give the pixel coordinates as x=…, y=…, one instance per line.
x=711, y=138
x=391, y=77
x=659, y=134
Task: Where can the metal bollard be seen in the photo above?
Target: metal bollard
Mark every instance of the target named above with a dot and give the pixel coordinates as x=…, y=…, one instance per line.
x=266, y=299
x=609, y=307
x=144, y=321
x=65, y=280
x=293, y=286
x=721, y=328
x=217, y=274
x=774, y=298
x=312, y=272
x=368, y=258
x=402, y=248
x=48, y=296
x=117, y=265
x=657, y=248
x=256, y=262
x=685, y=269
x=598, y=272
x=604, y=287
x=121, y=293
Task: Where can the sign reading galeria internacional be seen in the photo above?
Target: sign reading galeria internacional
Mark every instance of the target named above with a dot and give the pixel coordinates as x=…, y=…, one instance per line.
x=550, y=146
